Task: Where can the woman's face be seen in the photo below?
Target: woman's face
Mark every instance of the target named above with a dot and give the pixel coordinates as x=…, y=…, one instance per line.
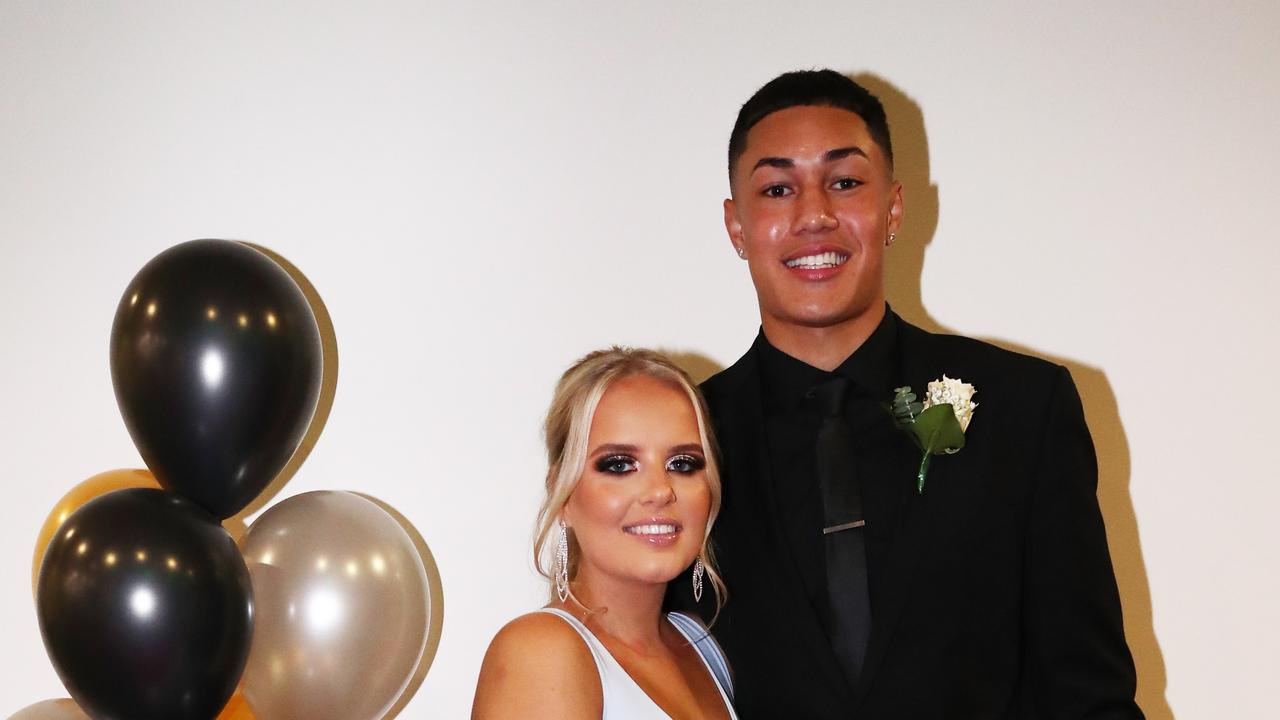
x=640, y=510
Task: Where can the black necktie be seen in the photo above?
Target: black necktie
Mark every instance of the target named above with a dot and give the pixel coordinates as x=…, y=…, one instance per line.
x=843, y=530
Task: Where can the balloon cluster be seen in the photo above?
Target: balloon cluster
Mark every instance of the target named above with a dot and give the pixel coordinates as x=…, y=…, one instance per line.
x=148, y=607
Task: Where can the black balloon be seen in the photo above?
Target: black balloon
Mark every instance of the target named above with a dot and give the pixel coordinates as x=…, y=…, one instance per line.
x=216, y=362
x=145, y=607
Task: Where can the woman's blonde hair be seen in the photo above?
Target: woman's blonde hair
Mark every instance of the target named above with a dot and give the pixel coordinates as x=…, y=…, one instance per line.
x=568, y=426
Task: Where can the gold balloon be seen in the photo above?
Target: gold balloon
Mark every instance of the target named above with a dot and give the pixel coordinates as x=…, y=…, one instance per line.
x=90, y=489
x=237, y=709
x=51, y=710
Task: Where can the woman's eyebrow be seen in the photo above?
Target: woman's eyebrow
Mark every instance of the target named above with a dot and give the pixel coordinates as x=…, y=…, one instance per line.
x=615, y=448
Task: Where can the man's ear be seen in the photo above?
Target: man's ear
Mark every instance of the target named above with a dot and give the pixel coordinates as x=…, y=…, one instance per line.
x=896, y=208
x=733, y=227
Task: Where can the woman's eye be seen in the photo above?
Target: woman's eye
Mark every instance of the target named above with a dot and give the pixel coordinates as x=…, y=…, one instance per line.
x=616, y=464
x=685, y=464
x=777, y=191
x=845, y=184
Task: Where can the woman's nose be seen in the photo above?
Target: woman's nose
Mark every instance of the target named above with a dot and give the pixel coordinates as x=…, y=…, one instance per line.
x=658, y=489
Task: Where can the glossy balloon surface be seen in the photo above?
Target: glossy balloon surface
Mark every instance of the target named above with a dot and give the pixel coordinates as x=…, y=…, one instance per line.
x=145, y=607
x=341, y=609
x=216, y=361
x=94, y=487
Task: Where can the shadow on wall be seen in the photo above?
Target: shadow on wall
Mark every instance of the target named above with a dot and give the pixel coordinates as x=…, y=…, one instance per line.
x=435, y=608
x=903, y=271
x=328, y=387
x=237, y=527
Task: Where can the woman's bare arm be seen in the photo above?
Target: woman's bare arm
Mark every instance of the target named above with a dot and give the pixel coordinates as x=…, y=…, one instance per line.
x=538, y=667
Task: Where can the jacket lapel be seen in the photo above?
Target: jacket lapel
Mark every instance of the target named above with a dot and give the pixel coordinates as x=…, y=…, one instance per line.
x=916, y=524
x=742, y=426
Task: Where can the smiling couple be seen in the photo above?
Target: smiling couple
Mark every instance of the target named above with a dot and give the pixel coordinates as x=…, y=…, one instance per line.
x=851, y=588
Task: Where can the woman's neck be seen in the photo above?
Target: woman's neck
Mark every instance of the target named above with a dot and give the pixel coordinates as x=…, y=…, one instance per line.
x=629, y=612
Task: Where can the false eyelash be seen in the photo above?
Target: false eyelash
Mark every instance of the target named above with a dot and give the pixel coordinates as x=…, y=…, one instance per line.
x=602, y=465
x=696, y=463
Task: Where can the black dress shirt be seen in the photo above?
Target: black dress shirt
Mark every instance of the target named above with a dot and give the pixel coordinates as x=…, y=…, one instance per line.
x=791, y=427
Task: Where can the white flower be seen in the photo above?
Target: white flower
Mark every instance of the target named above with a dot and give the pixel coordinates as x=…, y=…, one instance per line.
x=957, y=393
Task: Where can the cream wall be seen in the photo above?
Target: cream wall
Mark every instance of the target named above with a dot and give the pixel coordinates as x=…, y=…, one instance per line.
x=481, y=193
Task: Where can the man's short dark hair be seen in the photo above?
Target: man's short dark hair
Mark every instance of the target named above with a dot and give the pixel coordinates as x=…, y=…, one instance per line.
x=826, y=88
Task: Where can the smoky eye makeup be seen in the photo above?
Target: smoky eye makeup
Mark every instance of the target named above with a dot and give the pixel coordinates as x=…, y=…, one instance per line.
x=615, y=464
x=686, y=463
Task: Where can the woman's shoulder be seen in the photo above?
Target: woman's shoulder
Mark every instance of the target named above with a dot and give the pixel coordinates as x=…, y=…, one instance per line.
x=538, y=666
x=542, y=632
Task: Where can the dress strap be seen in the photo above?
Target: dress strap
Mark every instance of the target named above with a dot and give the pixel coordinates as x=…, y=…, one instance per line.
x=598, y=651
x=707, y=647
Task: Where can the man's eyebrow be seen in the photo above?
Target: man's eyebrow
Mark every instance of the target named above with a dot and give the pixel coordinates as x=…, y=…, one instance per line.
x=776, y=162
x=829, y=156
x=842, y=153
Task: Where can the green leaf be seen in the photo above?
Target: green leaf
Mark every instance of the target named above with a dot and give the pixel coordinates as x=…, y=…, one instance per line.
x=905, y=409
x=937, y=431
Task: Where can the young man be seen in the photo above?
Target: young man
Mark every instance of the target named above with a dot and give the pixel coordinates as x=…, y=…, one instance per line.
x=853, y=591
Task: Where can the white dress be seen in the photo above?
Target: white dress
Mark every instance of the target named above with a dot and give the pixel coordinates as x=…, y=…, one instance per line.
x=623, y=698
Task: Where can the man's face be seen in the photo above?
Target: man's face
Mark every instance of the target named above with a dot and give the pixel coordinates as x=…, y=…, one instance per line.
x=813, y=203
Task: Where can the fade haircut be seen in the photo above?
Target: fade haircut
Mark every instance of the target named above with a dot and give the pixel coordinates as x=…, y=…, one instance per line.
x=825, y=88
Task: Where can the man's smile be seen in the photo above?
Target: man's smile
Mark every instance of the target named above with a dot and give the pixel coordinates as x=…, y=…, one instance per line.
x=818, y=261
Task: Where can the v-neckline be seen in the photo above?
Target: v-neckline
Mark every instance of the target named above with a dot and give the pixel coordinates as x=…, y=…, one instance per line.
x=582, y=628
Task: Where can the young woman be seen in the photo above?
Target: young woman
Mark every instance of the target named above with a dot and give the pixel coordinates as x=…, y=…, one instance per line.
x=632, y=490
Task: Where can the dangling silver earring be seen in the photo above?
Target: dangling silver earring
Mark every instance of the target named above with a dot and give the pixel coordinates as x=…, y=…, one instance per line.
x=562, y=563
x=892, y=237
x=698, y=569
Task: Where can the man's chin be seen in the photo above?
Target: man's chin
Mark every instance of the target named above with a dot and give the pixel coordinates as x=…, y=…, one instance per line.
x=825, y=317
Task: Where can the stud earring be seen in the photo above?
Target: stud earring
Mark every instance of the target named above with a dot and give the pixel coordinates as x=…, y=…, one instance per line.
x=562, y=564
x=742, y=253
x=698, y=569
x=891, y=238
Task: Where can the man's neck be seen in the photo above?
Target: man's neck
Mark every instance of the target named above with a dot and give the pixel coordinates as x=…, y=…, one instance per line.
x=823, y=347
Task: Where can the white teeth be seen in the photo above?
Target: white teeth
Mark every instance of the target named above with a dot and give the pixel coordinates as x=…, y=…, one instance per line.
x=651, y=529
x=821, y=260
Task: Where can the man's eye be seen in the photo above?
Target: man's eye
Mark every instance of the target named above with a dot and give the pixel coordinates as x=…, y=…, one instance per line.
x=845, y=184
x=777, y=191
x=616, y=464
x=685, y=464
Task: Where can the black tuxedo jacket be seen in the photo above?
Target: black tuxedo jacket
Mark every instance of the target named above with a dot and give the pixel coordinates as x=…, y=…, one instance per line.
x=993, y=594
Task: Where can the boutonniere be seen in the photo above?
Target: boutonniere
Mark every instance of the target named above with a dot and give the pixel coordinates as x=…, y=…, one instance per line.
x=936, y=425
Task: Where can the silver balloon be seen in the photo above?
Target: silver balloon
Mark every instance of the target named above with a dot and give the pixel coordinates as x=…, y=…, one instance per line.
x=51, y=710
x=341, y=609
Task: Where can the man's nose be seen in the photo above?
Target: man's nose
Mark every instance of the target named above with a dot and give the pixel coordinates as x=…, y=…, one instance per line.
x=813, y=211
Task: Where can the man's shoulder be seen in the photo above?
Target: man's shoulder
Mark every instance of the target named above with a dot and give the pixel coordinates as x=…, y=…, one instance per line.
x=962, y=357
x=729, y=379
x=957, y=356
